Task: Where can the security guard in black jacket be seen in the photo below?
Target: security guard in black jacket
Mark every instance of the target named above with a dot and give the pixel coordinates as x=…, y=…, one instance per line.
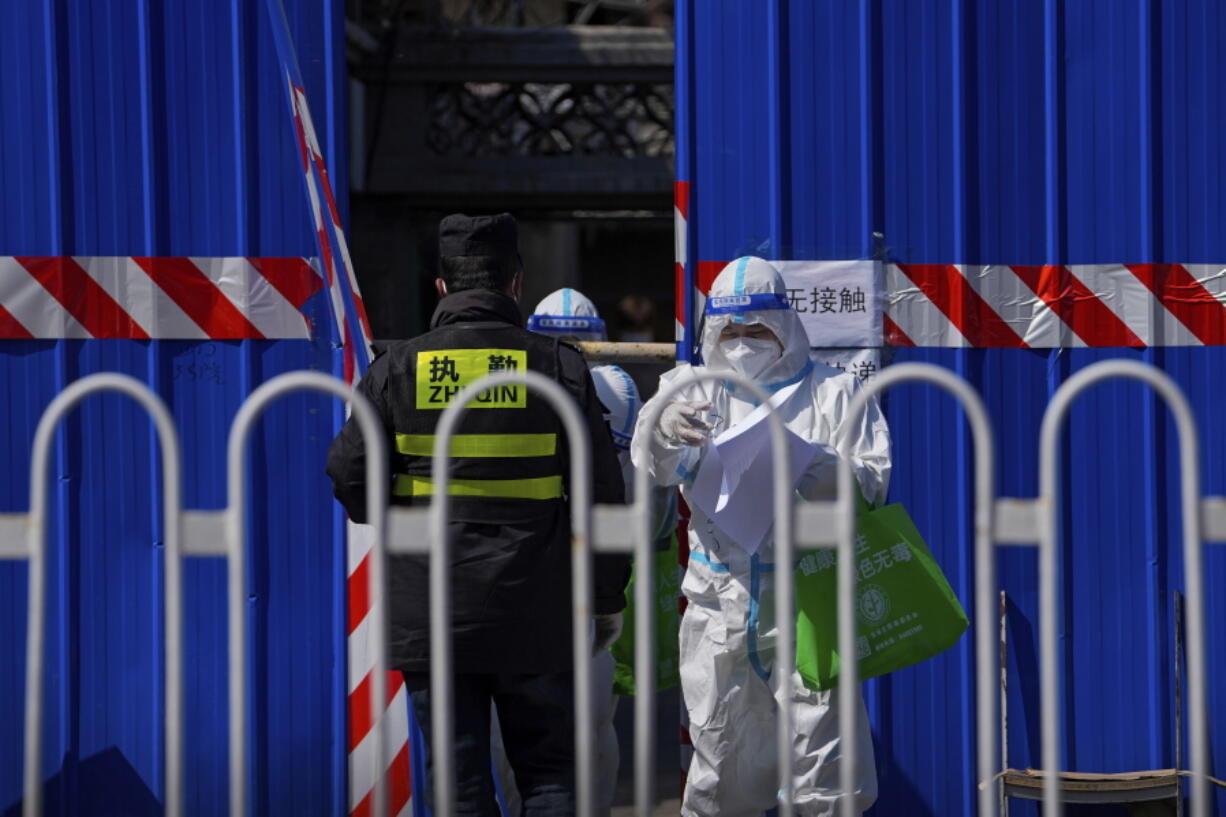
x=510, y=522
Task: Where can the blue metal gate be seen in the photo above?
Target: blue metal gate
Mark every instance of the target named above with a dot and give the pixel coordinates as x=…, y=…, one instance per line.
x=968, y=132
x=162, y=129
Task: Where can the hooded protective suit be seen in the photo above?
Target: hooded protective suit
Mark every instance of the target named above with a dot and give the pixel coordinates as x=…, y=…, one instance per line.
x=728, y=677
x=620, y=397
x=567, y=313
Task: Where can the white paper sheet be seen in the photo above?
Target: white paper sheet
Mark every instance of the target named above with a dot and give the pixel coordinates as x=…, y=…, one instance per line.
x=735, y=481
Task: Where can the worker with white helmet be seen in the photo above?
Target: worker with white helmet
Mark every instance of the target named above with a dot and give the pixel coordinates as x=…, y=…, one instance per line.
x=728, y=677
x=569, y=315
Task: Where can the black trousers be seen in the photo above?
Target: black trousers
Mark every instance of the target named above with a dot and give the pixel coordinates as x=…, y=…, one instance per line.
x=537, y=716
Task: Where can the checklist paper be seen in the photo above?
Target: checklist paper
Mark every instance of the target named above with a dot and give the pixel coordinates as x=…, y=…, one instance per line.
x=735, y=482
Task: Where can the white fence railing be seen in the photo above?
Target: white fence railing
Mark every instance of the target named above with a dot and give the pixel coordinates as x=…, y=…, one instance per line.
x=621, y=529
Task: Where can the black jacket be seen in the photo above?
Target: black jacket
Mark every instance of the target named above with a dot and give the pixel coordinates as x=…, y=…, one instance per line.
x=510, y=523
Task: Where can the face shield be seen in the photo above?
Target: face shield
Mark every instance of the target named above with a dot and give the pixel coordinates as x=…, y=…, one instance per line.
x=567, y=313
x=751, y=291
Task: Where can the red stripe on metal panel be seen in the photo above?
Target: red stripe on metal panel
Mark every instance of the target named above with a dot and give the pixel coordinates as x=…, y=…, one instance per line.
x=400, y=785
x=706, y=273
x=83, y=297
x=1186, y=299
x=328, y=197
x=894, y=336
x=359, y=705
x=399, y=788
x=294, y=278
x=350, y=363
x=946, y=287
x=359, y=593
x=301, y=134
x=681, y=198
x=11, y=328
x=360, y=305
x=679, y=293
x=325, y=248
x=359, y=711
x=366, y=807
x=199, y=297
x=1077, y=306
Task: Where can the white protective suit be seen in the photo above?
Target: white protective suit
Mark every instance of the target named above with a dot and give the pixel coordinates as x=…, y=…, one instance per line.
x=728, y=677
x=568, y=313
x=620, y=397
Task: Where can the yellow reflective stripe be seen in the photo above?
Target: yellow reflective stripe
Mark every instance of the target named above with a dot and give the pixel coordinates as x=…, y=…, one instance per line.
x=482, y=445
x=538, y=488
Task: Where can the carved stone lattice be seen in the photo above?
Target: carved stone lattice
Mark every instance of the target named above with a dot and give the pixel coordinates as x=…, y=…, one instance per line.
x=488, y=119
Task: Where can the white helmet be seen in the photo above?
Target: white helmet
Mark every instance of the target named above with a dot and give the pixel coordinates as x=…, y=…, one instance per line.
x=567, y=313
x=750, y=290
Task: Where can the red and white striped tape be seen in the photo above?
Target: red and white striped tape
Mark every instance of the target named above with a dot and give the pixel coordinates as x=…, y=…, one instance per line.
x=1038, y=307
x=681, y=210
x=1056, y=306
x=216, y=299
x=393, y=725
x=142, y=298
x=312, y=157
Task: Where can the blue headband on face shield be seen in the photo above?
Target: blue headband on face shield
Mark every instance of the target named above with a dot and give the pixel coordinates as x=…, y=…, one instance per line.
x=731, y=304
x=564, y=324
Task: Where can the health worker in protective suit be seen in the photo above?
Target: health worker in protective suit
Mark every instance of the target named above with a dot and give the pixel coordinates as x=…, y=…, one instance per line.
x=728, y=676
x=571, y=316
x=568, y=315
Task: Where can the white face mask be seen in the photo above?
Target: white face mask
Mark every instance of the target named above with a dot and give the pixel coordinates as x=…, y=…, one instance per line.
x=751, y=356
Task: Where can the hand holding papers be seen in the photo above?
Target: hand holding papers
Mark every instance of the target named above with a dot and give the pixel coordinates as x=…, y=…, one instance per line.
x=683, y=423
x=735, y=483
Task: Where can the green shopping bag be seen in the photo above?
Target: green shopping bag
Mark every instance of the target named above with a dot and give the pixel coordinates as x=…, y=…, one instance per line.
x=906, y=611
x=667, y=627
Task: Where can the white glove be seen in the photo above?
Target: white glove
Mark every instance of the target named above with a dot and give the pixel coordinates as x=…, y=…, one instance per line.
x=681, y=423
x=608, y=628
x=820, y=479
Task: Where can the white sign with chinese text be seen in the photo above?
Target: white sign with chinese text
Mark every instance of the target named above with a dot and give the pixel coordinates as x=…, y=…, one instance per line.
x=839, y=302
x=863, y=363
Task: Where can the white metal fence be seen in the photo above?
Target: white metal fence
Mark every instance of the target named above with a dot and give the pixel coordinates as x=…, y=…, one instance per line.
x=626, y=530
